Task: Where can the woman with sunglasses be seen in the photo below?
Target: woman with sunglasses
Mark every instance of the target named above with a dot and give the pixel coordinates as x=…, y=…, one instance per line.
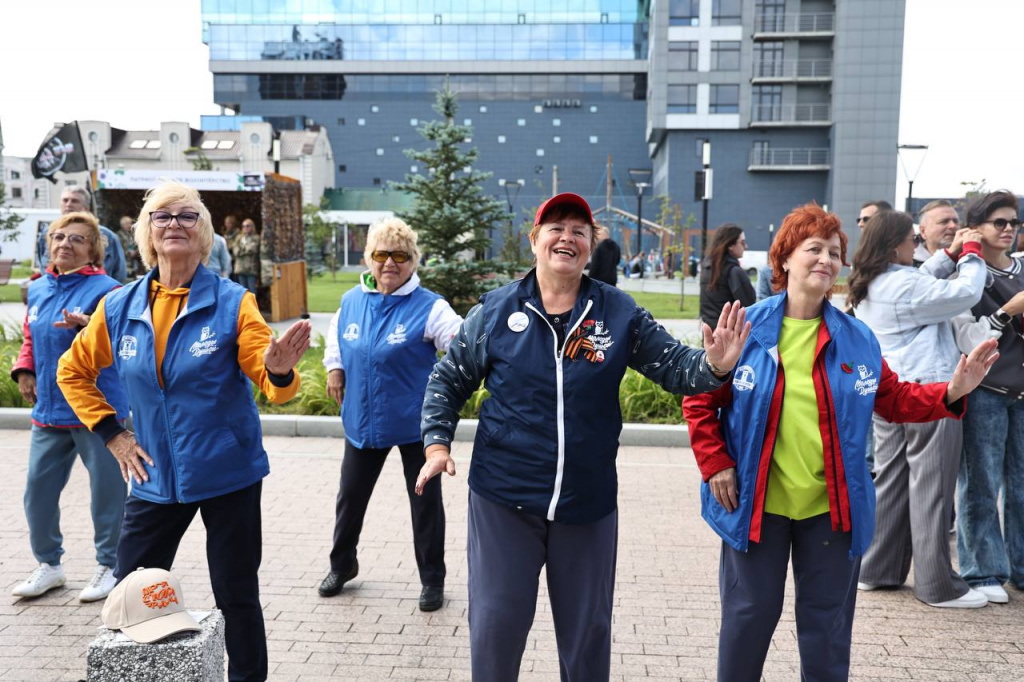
x=186, y=344
x=381, y=347
x=59, y=305
x=993, y=451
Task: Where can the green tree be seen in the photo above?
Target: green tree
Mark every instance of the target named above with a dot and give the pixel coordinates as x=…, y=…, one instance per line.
x=9, y=221
x=451, y=214
x=199, y=160
x=321, y=246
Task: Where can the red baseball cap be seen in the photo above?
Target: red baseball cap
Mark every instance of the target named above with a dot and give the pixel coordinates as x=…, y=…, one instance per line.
x=566, y=198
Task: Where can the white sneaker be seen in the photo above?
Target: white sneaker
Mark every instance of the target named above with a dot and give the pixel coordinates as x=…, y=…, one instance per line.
x=867, y=587
x=42, y=580
x=972, y=600
x=994, y=593
x=100, y=586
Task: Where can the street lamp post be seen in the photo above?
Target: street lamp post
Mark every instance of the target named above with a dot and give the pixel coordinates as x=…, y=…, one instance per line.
x=639, y=177
x=918, y=151
x=512, y=188
x=705, y=197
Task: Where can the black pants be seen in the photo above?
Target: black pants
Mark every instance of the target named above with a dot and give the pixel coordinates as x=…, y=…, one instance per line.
x=360, y=469
x=150, y=534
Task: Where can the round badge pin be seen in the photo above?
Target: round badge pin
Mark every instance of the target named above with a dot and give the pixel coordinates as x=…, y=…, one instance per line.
x=518, y=322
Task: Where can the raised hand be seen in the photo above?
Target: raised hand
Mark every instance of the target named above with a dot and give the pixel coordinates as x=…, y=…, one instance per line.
x=971, y=370
x=283, y=354
x=724, y=345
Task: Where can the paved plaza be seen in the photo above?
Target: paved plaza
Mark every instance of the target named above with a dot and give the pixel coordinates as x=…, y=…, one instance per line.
x=666, y=611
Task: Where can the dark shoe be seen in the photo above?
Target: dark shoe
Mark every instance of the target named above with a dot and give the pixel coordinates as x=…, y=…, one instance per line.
x=333, y=583
x=431, y=598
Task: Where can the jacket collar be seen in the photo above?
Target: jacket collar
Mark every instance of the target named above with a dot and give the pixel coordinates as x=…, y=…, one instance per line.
x=368, y=285
x=529, y=291
x=85, y=270
x=202, y=293
x=766, y=321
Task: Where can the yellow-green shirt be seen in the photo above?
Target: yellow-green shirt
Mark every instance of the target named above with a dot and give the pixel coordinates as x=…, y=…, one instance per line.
x=796, y=482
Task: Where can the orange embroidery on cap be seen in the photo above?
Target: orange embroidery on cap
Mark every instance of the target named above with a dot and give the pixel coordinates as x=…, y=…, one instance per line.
x=159, y=595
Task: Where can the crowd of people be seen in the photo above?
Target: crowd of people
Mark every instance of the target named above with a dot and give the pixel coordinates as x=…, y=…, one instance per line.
x=785, y=401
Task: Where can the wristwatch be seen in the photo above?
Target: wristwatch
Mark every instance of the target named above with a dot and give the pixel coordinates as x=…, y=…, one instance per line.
x=1002, y=317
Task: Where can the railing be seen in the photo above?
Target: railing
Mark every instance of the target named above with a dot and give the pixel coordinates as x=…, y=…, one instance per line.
x=782, y=158
x=823, y=22
x=791, y=113
x=793, y=68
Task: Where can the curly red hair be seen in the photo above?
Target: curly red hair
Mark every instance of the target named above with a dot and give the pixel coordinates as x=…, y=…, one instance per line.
x=804, y=222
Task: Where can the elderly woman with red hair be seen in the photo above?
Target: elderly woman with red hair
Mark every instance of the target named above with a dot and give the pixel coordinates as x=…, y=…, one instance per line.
x=780, y=448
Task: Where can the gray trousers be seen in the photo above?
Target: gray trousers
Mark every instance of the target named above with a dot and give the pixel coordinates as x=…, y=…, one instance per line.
x=916, y=467
x=506, y=550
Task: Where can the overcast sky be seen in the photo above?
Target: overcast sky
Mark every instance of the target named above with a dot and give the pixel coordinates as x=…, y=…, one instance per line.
x=136, y=63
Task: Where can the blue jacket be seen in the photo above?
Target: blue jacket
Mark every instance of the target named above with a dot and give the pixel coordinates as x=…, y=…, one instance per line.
x=387, y=364
x=201, y=428
x=737, y=424
x=548, y=435
x=48, y=297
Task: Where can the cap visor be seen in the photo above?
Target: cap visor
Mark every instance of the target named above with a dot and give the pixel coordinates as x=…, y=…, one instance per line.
x=164, y=626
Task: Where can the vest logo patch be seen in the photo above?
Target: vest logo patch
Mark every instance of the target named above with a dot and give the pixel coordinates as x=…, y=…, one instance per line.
x=159, y=595
x=33, y=314
x=591, y=339
x=397, y=336
x=351, y=332
x=129, y=347
x=206, y=345
x=867, y=383
x=743, y=379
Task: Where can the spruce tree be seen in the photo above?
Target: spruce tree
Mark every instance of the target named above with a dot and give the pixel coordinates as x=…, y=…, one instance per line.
x=451, y=213
x=10, y=222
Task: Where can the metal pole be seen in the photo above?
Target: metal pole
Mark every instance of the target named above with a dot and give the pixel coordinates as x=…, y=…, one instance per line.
x=640, y=226
x=706, y=159
x=910, y=196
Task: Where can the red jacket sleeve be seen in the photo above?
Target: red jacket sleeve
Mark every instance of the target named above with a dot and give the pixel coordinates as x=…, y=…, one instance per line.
x=903, y=402
x=701, y=414
x=26, y=361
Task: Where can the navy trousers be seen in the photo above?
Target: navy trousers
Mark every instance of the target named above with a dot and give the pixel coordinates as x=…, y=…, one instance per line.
x=506, y=550
x=751, y=585
x=150, y=534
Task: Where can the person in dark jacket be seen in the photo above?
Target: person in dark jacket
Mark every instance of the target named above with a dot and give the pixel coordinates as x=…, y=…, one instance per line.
x=552, y=349
x=59, y=305
x=188, y=345
x=381, y=346
x=780, y=448
x=604, y=264
x=722, y=279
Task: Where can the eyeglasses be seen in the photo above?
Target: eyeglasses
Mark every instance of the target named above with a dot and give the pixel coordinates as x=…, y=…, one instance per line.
x=76, y=239
x=186, y=220
x=1002, y=223
x=862, y=219
x=397, y=256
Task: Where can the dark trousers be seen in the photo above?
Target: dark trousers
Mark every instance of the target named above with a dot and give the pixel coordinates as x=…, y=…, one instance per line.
x=360, y=469
x=752, y=585
x=150, y=534
x=506, y=550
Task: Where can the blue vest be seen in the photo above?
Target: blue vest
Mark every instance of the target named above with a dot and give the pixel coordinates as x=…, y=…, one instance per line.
x=48, y=296
x=744, y=422
x=201, y=428
x=387, y=364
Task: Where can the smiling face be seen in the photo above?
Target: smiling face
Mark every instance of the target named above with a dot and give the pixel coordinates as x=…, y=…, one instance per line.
x=71, y=247
x=174, y=241
x=814, y=265
x=562, y=247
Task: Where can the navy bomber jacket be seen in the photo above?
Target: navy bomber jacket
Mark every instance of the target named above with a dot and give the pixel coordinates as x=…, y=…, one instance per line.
x=548, y=435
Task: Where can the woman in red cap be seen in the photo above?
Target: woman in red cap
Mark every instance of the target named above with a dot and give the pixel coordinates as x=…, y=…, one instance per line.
x=552, y=349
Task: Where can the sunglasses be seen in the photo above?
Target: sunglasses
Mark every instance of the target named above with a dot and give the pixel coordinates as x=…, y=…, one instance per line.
x=862, y=219
x=397, y=256
x=75, y=239
x=163, y=219
x=1002, y=223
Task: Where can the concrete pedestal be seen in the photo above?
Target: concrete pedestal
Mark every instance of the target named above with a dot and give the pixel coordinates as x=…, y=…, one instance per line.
x=187, y=657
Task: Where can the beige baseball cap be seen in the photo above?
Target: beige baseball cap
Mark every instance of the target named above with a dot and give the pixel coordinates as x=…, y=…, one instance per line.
x=147, y=606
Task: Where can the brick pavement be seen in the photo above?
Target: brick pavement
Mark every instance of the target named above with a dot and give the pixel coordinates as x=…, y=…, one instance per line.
x=666, y=614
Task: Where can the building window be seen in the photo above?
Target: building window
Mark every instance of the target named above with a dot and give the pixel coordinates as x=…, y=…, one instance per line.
x=556, y=139
x=501, y=139
x=35, y=193
x=414, y=122
x=467, y=121
x=768, y=59
x=521, y=122
x=593, y=139
x=360, y=121
x=380, y=152
x=342, y=168
x=538, y=109
x=468, y=140
x=396, y=138
x=684, y=12
x=556, y=122
x=762, y=152
x=414, y=169
x=682, y=99
x=467, y=169
x=540, y=152
x=374, y=109
x=725, y=55
x=16, y=191
x=70, y=183
x=341, y=121
x=725, y=99
x=726, y=13
x=483, y=109
x=767, y=101
x=15, y=175
x=376, y=182
x=593, y=108
x=682, y=55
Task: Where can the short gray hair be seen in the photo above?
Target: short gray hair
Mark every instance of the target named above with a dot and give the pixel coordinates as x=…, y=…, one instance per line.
x=82, y=192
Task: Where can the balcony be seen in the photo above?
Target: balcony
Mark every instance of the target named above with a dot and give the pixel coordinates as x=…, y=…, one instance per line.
x=776, y=26
x=790, y=115
x=792, y=71
x=807, y=159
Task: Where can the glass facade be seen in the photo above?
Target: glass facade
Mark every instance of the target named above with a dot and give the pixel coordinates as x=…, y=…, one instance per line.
x=399, y=42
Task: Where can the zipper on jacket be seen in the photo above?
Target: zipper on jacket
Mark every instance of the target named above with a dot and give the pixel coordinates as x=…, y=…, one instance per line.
x=148, y=319
x=559, y=401
x=832, y=439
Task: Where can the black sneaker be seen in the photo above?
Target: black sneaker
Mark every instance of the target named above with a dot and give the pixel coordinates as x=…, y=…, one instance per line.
x=431, y=598
x=332, y=584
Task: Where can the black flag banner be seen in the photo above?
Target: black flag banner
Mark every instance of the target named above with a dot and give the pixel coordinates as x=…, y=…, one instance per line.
x=61, y=151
